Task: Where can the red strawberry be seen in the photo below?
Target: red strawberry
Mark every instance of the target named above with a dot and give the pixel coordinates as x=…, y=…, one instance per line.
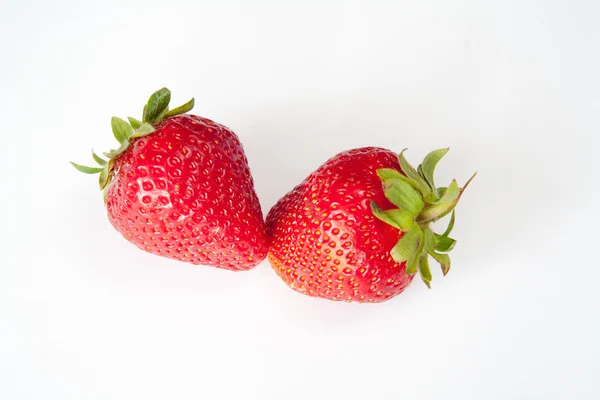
x=331, y=238
x=179, y=186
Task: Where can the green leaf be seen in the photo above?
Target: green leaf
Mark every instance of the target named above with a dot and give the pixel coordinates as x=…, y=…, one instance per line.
x=443, y=206
x=450, y=224
x=429, y=163
x=405, y=220
x=429, y=238
x=420, y=171
x=98, y=159
x=134, y=122
x=121, y=129
x=402, y=195
x=444, y=243
x=157, y=105
x=144, y=130
x=443, y=259
x=397, y=218
x=103, y=180
x=424, y=270
x=181, y=109
x=116, y=152
x=389, y=173
x=382, y=215
x=467, y=184
x=105, y=176
x=450, y=194
x=409, y=248
x=435, y=212
x=86, y=170
x=411, y=265
x=412, y=174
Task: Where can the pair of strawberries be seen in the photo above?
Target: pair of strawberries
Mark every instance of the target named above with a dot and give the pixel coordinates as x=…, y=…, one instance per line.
x=357, y=229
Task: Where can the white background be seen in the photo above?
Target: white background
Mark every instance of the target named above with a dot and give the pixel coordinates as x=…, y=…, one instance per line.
x=511, y=86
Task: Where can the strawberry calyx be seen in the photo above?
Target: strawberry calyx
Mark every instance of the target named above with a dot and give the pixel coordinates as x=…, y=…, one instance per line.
x=419, y=203
x=155, y=111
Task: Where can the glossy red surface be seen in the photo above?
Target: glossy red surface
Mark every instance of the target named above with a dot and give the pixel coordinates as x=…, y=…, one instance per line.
x=325, y=241
x=185, y=192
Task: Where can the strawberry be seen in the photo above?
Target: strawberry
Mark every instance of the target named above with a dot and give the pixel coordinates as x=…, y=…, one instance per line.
x=179, y=186
x=357, y=229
